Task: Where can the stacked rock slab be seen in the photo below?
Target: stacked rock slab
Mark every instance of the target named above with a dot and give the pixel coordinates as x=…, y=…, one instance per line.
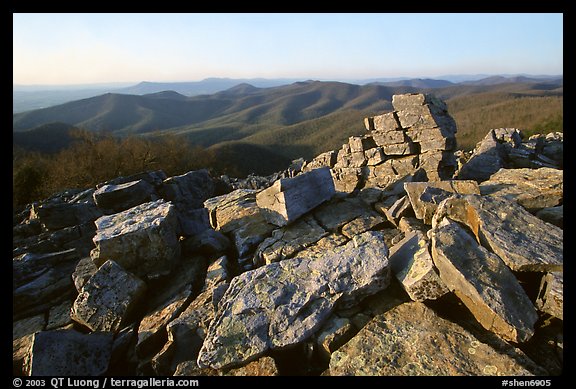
x=418, y=134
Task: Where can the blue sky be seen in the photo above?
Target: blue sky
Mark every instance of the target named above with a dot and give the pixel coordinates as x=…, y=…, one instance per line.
x=94, y=48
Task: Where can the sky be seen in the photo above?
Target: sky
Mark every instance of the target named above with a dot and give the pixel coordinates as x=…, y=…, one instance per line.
x=59, y=49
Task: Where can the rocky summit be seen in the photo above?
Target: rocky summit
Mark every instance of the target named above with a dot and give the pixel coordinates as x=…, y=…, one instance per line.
x=396, y=254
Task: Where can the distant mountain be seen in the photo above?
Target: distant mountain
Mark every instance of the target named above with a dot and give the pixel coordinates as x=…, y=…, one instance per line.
x=49, y=138
x=420, y=83
x=496, y=80
x=204, y=87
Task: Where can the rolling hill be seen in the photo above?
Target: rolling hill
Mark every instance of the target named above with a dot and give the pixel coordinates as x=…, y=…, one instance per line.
x=276, y=124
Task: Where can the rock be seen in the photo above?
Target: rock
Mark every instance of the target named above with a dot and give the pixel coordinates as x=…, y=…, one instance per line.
x=154, y=178
x=520, y=239
x=333, y=215
x=386, y=122
x=287, y=301
x=325, y=159
x=120, y=197
x=386, y=174
x=483, y=283
x=153, y=324
x=412, y=265
x=69, y=353
x=438, y=164
x=551, y=296
x=237, y=214
x=209, y=242
x=347, y=179
x=85, y=269
x=400, y=208
x=411, y=339
x=106, y=300
x=411, y=100
x=552, y=215
x=287, y=241
x=142, y=240
x=336, y=332
x=324, y=245
x=374, y=156
x=488, y=157
x=55, y=216
x=188, y=192
x=288, y=199
x=534, y=189
x=425, y=196
x=44, y=283
x=264, y=366
x=389, y=137
x=409, y=224
x=22, y=336
x=59, y=315
x=361, y=224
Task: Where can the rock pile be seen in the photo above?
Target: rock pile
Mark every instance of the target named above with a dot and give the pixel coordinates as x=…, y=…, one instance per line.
x=381, y=258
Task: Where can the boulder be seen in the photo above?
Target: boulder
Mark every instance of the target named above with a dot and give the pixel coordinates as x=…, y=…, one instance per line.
x=69, y=353
x=142, y=240
x=383, y=123
x=188, y=192
x=533, y=189
x=120, y=197
x=551, y=295
x=285, y=302
x=425, y=196
x=438, y=164
x=208, y=242
x=411, y=339
x=262, y=367
x=287, y=241
x=346, y=179
x=488, y=157
x=237, y=214
x=520, y=239
x=334, y=214
x=325, y=159
x=59, y=315
x=336, y=332
x=107, y=299
x=57, y=215
x=361, y=224
x=483, y=282
x=412, y=265
x=85, y=269
x=552, y=215
x=288, y=199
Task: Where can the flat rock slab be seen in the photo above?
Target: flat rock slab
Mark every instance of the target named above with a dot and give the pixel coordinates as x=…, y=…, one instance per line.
x=551, y=295
x=488, y=157
x=426, y=196
x=107, y=299
x=287, y=241
x=522, y=240
x=69, y=353
x=120, y=197
x=412, y=265
x=289, y=198
x=285, y=302
x=142, y=239
x=411, y=339
x=483, y=282
x=533, y=189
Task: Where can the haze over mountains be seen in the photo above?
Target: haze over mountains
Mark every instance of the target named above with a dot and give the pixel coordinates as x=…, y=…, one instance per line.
x=300, y=119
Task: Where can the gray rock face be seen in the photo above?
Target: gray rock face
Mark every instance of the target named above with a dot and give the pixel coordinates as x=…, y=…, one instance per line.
x=288, y=199
x=55, y=216
x=411, y=339
x=289, y=240
x=188, y=192
x=85, y=269
x=120, y=197
x=412, y=265
x=108, y=298
x=288, y=301
x=552, y=215
x=69, y=353
x=533, y=189
x=551, y=295
x=425, y=196
x=237, y=214
x=40, y=281
x=483, y=283
x=488, y=157
x=523, y=241
x=142, y=239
